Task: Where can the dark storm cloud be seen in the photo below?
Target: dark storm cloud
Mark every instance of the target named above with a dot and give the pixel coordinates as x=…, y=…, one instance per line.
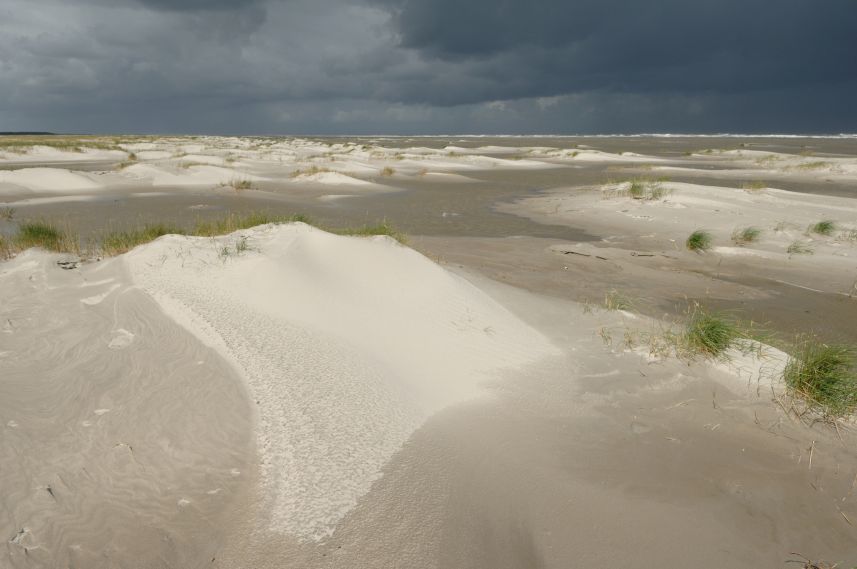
x=199, y=5
x=554, y=46
x=243, y=66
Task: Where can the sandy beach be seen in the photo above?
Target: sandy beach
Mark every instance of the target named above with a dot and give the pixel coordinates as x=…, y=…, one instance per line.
x=495, y=389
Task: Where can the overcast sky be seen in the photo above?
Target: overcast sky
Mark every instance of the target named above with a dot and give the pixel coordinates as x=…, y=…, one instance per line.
x=428, y=66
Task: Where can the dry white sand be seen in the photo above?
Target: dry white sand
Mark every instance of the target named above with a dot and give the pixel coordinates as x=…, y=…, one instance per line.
x=48, y=154
x=347, y=346
x=52, y=180
x=283, y=397
x=783, y=218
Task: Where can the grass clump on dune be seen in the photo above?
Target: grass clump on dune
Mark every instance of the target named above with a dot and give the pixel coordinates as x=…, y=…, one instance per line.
x=5, y=248
x=746, y=235
x=824, y=227
x=709, y=333
x=754, y=186
x=699, y=240
x=238, y=221
x=615, y=300
x=117, y=242
x=25, y=143
x=799, y=248
x=818, y=165
x=45, y=236
x=642, y=189
x=311, y=171
x=824, y=376
x=382, y=228
x=240, y=184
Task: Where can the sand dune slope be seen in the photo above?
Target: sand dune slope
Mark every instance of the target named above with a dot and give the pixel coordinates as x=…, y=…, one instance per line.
x=46, y=180
x=122, y=438
x=347, y=345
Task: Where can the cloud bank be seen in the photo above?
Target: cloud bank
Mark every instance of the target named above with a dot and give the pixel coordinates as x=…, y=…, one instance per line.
x=428, y=66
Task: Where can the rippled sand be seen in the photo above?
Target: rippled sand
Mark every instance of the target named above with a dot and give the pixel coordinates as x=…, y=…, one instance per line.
x=124, y=439
x=138, y=433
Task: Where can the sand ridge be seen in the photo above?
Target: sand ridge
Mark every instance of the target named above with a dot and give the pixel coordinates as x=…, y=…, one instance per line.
x=346, y=344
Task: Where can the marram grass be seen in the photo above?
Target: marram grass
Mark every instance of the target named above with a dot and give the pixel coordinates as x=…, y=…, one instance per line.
x=46, y=236
x=709, y=333
x=699, y=240
x=824, y=375
x=746, y=235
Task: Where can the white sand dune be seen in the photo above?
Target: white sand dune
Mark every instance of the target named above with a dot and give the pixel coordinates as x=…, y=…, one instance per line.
x=45, y=180
x=202, y=159
x=195, y=175
x=49, y=154
x=330, y=179
x=347, y=344
x=153, y=154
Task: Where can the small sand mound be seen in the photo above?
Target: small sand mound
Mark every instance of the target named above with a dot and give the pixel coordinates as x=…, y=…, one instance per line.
x=47, y=180
x=331, y=179
x=194, y=175
x=348, y=345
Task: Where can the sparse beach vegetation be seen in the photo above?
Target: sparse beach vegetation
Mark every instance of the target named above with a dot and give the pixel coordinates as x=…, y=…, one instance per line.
x=615, y=300
x=746, y=235
x=818, y=165
x=644, y=189
x=709, y=333
x=823, y=375
x=382, y=228
x=118, y=242
x=824, y=227
x=45, y=236
x=240, y=184
x=754, y=185
x=236, y=221
x=768, y=160
x=699, y=241
x=800, y=248
x=312, y=170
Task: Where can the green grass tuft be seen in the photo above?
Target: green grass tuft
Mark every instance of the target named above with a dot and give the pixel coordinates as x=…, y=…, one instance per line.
x=746, y=235
x=46, y=236
x=237, y=221
x=754, y=185
x=799, y=248
x=312, y=170
x=813, y=165
x=824, y=375
x=240, y=184
x=615, y=300
x=118, y=242
x=643, y=189
x=824, y=227
x=382, y=228
x=709, y=333
x=699, y=240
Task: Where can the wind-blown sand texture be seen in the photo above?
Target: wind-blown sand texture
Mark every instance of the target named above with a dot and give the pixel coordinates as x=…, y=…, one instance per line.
x=347, y=346
x=286, y=397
